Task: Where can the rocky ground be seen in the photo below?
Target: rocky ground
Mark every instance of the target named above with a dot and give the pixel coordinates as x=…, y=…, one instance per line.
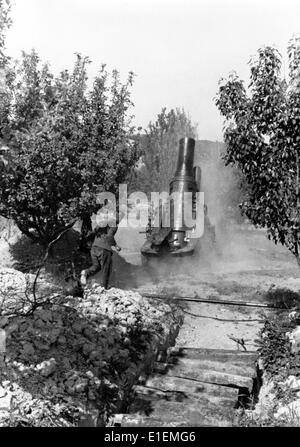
x=72, y=361
x=244, y=266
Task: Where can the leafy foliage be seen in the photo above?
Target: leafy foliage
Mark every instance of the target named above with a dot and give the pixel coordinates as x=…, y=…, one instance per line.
x=67, y=143
x=275, y=349
x=159, y=150
x=279, y=364
x=262, y=135
x=5, y=23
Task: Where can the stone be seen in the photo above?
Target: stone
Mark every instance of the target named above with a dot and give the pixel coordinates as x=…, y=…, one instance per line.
x=69, y=384
x=127, y=341
x=47, y=367
x=94, y=355
x=293, y=315
x=70, y=390
x=54, y=334
x=66, y=364
x=5, y=400
x=13, y=281
x=87, y=348
x=293, y=383
x=97, y=382
x=42, y=346
x=294, y=338
x=89, y=374
x=39, y=323
x=62, y=340
x=91, y=395
x=28, y=349
x=78, y=327
x=46, y=315
x=81, y=385
x=89, y=334
x=14, y=327
x=4, y=322
x=291, y=411
x=58, y=322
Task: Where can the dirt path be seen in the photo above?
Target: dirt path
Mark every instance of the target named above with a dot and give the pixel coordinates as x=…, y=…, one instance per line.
x=246, y=267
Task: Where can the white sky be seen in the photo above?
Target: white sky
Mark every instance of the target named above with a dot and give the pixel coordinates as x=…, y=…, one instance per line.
x=178, y=48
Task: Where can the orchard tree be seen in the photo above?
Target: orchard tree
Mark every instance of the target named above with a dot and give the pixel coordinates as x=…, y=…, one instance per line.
x=159, y=148
x=66, y=144
x=262, y=136
x=5, y=23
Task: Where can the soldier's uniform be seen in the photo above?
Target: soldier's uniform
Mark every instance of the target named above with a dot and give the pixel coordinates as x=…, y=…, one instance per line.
x=101, y=254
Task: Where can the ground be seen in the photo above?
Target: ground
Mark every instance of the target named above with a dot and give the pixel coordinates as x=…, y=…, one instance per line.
x=243, y=266
x=246, y=266
x=74, y=360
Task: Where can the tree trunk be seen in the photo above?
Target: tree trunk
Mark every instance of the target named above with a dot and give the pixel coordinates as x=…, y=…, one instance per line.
x=29, y=234
x=86, y=231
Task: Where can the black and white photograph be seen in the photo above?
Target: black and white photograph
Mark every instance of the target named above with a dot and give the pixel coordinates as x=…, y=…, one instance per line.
x=149, y=217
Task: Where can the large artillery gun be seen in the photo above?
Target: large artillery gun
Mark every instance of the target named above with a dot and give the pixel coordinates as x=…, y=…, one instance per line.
x=178, y=238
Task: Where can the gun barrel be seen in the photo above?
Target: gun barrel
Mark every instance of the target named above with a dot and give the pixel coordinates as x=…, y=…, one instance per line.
x=177, y=237
x=186, y=179
x=185, y=161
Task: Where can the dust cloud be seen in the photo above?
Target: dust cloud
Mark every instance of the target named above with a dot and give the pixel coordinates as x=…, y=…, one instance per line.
x=239, y=249
x=232, y=250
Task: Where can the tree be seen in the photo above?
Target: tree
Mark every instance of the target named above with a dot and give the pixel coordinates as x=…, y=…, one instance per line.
x=159, y=148
x=262, y=135
x=67, y=144
x=5, y=23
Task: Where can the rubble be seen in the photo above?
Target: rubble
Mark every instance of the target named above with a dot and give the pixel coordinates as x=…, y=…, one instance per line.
x=16, y=292
x=12, y=281
x=5, y=401
x=291, y=382
x=69, y=360
x=289, y=411
x=294, y=338
x=47, y=367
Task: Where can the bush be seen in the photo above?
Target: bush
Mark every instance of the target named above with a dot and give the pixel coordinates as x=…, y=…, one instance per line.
x=66, y=144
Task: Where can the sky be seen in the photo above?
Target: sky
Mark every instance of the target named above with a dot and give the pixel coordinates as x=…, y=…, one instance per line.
x=178, y=49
